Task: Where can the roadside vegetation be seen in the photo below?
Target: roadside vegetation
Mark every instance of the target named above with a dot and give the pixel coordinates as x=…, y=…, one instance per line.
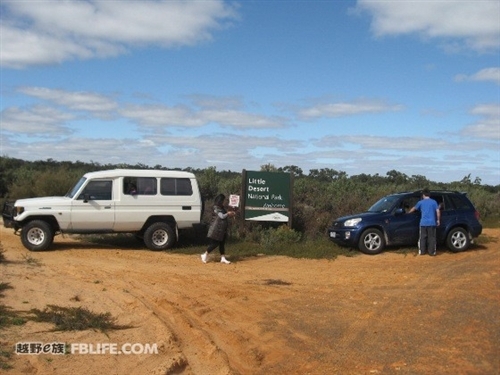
x=318, y=198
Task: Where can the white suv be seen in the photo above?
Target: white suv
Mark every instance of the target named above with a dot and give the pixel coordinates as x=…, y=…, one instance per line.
x=153, y=204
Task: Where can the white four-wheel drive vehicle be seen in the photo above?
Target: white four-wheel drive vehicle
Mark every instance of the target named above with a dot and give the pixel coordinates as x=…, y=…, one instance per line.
x=152, y=204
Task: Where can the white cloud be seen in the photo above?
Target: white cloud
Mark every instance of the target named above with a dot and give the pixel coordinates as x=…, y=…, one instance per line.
x=242, y=120
x=47, y=32
x=36, y=121
x=370, y=142
x=487, y=74
x=402, y=145
x=476, y=23
x=183, y=116
x=206, y=110
x=161, y=115
x=489, y=110
x=341, y=109
x=24, y=47
x=81, y=101
x=100, y=150
x=65, y=140
x=489, y=125
x=228, y=151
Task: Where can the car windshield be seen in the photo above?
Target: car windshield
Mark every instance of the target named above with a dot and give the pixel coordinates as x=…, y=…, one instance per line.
x=71, y=193
x=385, y=204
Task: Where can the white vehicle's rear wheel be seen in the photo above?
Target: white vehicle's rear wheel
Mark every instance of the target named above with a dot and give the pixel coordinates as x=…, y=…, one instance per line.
x=159, y=236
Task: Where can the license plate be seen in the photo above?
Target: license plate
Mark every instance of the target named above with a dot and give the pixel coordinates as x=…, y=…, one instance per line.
x=333, y=234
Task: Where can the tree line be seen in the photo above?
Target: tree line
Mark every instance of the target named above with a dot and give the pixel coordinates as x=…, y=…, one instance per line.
x=318, y=196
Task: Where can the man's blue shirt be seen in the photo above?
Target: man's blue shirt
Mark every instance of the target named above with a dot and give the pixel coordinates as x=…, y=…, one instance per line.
x=428, y=208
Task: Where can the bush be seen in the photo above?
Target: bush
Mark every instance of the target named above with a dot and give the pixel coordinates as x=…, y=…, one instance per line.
x=283, y=235
x=318, y=198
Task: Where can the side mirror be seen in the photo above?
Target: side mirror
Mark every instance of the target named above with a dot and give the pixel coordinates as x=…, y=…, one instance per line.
x=399, y=211
x=86, y=198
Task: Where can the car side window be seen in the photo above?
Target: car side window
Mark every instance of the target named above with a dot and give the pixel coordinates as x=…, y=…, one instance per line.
x=139, y=186
x=440, y=201
x=459, y=203
x=97, y=190
x=409, y=202
x=176, y=186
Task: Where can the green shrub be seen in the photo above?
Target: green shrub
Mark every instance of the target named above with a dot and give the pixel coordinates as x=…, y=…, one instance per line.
x=276, y=237
x=318, y=198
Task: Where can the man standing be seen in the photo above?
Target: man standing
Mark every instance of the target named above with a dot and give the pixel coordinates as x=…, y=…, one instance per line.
x=429, y=220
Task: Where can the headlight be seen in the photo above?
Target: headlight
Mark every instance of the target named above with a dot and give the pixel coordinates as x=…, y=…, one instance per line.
x=352, y=222
x=19, y=210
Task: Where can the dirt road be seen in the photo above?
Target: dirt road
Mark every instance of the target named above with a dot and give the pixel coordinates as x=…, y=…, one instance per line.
x=384, y=314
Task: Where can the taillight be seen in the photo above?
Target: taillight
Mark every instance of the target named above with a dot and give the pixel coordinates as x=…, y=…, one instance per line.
x=476, y=214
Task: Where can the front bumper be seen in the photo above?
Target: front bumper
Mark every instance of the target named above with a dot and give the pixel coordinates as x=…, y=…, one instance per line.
x=8, y=211
x=344, y=236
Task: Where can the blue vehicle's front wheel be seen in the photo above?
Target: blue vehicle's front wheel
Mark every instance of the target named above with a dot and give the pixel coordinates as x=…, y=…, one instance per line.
x=372, y=241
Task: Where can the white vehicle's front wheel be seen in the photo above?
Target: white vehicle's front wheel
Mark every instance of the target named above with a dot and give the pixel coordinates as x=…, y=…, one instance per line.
x=37, y=235
x=159, y=236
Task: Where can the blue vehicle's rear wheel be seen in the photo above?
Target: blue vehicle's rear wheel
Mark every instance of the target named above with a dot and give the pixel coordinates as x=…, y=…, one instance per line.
x=458, y=240
x=372, y=241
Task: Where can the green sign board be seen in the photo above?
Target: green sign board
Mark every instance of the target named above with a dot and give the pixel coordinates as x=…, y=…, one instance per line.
x=267, y=196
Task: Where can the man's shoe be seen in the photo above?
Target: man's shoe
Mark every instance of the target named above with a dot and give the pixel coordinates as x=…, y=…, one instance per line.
x=224, y=260
x=204, y=257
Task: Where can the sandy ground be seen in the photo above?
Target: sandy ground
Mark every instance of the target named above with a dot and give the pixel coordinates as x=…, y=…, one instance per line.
x=385, y=314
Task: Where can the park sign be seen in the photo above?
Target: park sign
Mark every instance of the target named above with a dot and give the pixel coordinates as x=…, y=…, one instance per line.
x=267, y=196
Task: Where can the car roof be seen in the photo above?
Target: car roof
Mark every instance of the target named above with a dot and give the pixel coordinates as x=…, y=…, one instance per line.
x=114, y=173
x=431, y=191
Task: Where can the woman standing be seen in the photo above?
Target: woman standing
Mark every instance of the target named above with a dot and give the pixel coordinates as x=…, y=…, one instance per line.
x=217, y=231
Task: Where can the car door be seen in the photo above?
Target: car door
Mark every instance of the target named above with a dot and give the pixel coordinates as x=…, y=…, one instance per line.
x=93, y=210
x=448, y=215
x=403, y=227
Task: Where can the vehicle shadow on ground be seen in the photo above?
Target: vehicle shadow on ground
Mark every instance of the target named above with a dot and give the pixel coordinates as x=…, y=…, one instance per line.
x=95, y=243
x=116, y=242
x=441, y=249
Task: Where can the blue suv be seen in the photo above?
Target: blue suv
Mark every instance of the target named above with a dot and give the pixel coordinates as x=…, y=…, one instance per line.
x=387, y=223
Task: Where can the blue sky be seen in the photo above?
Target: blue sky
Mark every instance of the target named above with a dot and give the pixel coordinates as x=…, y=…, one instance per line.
x=356, y=86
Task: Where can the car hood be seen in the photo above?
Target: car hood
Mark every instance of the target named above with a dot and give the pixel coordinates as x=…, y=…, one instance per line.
x=42, y=202
x=361, y=215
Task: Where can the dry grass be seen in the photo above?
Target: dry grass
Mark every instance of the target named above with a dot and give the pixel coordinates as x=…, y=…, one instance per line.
x=75, y=319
